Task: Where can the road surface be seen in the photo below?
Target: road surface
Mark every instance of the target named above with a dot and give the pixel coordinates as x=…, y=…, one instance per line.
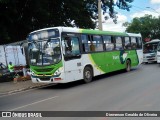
x=137, y=90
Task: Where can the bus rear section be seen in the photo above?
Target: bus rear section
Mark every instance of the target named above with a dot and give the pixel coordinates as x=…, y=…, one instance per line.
x=150, y=51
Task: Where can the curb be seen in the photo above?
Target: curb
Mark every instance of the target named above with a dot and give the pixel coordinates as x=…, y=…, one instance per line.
x=24, y=89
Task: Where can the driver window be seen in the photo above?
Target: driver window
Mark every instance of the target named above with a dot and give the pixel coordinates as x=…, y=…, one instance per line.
x=71, y=45
x=67, y=43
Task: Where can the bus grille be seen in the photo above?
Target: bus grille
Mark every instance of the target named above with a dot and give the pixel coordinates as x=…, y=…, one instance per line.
x=44, y=70
x=150, y=56
x=45, y=79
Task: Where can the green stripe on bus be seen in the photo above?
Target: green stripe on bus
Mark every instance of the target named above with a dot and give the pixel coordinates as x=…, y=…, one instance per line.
x=102, y=32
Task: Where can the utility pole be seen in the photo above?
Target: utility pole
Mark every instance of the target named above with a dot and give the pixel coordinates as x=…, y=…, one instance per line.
x=99, y=15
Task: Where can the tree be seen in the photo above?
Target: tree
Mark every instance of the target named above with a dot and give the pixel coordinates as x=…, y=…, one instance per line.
x=147, y=25
x=19, y=17
x=108, y=7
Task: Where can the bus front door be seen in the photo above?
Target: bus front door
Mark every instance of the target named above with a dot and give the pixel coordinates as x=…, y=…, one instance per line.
x=72, y=58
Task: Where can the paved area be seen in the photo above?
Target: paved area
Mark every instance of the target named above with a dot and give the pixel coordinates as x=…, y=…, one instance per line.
x=11, y=87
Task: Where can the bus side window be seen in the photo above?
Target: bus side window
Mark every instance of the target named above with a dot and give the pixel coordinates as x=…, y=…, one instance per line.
x=118, y=43
x=85, y=43
x=127, y=44
x=75, y=46
x=133, y=43
x=92, y=47
x=108, y=43
x=96, y=44
x=139, y=42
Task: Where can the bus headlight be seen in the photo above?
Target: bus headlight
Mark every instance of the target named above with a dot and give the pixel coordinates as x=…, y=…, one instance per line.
x=32, y=73
x=58, y=72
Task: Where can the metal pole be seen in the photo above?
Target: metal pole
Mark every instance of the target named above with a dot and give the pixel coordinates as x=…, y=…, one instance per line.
x=99, y=15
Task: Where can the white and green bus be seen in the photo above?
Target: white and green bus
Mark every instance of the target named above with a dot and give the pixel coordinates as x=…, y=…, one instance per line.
x=150, y=51
x=63, y=54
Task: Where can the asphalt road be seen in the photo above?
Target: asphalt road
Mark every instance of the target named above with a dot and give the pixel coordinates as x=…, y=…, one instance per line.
x=137, y=90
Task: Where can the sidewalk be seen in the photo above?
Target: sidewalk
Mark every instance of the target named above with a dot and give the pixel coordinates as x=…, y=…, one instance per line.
x=11, y=87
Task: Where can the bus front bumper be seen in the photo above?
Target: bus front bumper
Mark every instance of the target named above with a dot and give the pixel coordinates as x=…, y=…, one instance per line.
x=146, y=60
x=158, y=58
x=50, y=79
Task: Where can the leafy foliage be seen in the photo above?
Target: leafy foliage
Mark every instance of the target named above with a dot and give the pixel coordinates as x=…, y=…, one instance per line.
x=19, y=17
x=148, y=26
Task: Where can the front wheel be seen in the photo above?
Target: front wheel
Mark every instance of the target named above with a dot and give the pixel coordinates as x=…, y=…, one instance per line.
x=128, y=65
x=87, y=74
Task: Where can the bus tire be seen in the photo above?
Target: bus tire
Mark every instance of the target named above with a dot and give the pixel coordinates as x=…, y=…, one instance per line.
x=128, y=65
x=87, y=74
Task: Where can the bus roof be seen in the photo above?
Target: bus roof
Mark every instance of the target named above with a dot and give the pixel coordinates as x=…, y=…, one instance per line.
x=153, y=41
x=89, y=31
x=134, y=34
x=103, y=32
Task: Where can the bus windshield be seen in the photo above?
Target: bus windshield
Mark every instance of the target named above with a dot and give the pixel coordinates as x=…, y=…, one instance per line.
x=150, y=48
x=44, y=51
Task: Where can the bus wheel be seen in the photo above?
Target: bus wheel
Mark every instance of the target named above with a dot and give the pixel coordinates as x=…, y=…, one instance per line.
x=128, y=65
x=87, y=74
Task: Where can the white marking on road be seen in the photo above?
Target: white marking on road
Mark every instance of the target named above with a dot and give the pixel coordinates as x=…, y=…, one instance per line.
x=33, y=103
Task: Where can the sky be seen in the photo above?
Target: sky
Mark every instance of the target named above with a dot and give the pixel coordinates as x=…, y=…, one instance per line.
x=139, y=9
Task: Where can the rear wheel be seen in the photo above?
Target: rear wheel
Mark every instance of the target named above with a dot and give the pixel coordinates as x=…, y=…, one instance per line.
x=128, y=65
x=87, y=74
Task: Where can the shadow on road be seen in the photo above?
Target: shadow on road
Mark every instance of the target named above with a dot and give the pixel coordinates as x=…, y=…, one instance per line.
x=81, y=82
